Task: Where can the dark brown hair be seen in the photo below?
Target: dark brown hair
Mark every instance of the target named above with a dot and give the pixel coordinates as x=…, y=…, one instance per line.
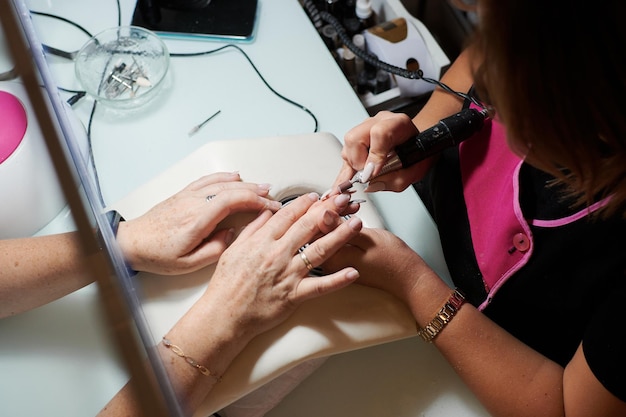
x=553, y=70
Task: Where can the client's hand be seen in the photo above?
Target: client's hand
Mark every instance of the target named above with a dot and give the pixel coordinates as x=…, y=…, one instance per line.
x=179, y=234
x=261, y=278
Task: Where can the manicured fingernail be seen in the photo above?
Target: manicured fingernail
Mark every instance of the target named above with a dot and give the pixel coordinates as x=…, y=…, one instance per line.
x=375, y=186
x=328, y=218
x=367, y=172
x=352, y=274
x=355, y=223
x=230, y=236
x=314, y=196
x=342, y=200
x=274, y=205
x=265, y=187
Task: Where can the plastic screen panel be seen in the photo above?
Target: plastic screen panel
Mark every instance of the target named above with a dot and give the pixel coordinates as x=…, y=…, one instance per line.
x=120, y=301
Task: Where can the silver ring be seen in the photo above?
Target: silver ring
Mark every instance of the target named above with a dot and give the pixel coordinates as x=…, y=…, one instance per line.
x=210, y=197
x=306, y=261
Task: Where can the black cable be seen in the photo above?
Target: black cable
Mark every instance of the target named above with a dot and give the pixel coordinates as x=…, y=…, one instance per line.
x=314, y=14
x=230, y=45
x=119, y=13
x=80, y=94
x=63, y=19
x=92, y=159
x=392, y=69
x=76, y=98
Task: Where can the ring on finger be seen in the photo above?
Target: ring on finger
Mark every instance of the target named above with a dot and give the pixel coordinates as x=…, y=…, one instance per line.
x=306, y=261
x=210, y=197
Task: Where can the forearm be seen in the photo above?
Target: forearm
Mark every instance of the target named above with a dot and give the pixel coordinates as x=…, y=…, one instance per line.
x=36, y=271
x=508, y=377
x=442, y=103
x=207, y=333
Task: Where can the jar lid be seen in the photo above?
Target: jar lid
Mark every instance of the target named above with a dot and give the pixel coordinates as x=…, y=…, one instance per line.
x=13, y=126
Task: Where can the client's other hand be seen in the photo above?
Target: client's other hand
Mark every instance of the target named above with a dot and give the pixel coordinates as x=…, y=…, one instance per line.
x=181, y=234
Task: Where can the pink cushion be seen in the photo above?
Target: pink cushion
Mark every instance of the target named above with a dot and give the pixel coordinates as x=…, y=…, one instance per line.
x=13, y=124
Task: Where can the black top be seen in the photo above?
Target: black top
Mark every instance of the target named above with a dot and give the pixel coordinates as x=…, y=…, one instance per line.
x=573, y=287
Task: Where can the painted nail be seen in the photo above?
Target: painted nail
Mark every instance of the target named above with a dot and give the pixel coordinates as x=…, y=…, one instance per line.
x=314, y=196
x=230, y=236
x=355, y=223
x=342, y=199
x=367, y=172
x=274, y=205
x=328, y=218
x=352, y=274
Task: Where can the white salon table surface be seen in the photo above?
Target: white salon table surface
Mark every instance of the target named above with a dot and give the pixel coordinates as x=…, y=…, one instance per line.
x=404, y=379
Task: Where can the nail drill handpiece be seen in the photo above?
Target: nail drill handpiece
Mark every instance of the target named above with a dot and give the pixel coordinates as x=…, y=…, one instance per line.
x=446, y=133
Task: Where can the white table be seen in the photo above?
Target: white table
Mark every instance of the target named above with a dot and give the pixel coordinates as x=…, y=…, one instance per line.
x=58, y=361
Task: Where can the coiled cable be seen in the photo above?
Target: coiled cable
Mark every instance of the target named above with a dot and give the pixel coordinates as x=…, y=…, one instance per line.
x=372, y=59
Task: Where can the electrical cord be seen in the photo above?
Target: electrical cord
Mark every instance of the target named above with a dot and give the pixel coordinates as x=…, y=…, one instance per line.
x=373, y=59
x=254, y=67
x=78, y=95
x=63, y=19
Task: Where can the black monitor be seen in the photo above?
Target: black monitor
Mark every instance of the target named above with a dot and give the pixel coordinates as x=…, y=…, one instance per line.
x=232, y=20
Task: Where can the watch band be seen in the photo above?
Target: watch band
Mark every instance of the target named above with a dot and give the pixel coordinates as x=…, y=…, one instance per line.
x=114, y=218
x=443, y=317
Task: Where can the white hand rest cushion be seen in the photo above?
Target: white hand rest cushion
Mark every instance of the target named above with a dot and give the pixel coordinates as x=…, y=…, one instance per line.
x=352, y=318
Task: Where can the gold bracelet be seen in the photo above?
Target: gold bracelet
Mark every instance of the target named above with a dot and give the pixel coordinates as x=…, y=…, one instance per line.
x=179, y=352
x=443, y=317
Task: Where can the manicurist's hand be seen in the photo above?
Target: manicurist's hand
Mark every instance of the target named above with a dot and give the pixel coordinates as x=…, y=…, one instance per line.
x=180, y=234
x=385, y=262
x=367, y=146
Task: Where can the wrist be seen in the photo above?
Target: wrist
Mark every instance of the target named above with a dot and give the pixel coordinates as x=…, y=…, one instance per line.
x=426, y=297
x=119, y=227
x=446, y=313
x=217, y=348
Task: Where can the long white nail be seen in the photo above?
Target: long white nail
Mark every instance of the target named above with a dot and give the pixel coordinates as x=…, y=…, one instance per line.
x=367, y=172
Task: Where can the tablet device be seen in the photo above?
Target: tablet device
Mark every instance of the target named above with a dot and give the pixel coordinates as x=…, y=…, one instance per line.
x=232, y=20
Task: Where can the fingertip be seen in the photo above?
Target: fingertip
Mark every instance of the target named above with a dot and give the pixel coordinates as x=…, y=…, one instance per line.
x=367, y=172
x=352, y=274
x=355, y=223
x=342, y=200
x=230, y=236
x=271, y=205
x=264, y=188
